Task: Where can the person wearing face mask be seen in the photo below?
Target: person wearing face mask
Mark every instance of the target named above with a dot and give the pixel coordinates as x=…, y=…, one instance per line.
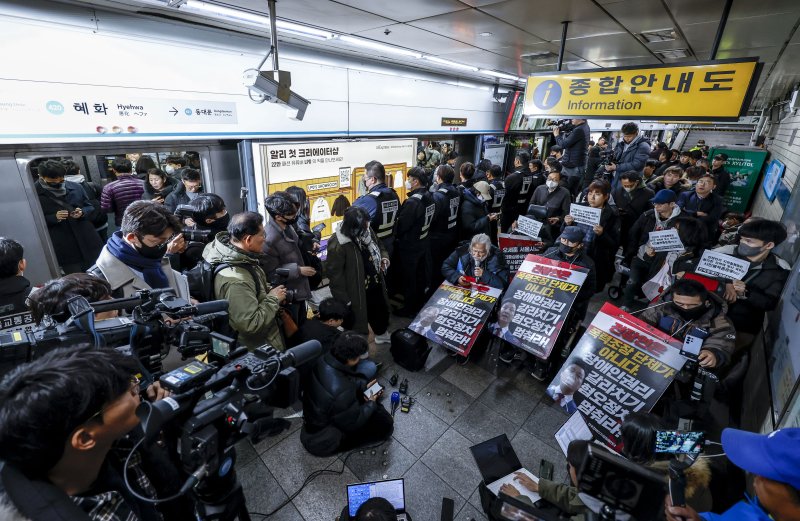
x=689, y=308
x=158, y=186
x=381, y=203
x=444, y=229
x=209, y=214
x=174, y=166
x=630, y=153
x=134, y=258
x=760, y=289
x=473, y=215
x=412, y=243
x=704, y=204
x=282, y=250
x=67, y=212
x=556, y=199
x=632, y=199
x=480, y=260
x=190, y=187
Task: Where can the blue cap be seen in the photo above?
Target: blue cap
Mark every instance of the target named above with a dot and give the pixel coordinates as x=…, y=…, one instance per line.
x=664, y=196
x=572, y=234
x=775, y=456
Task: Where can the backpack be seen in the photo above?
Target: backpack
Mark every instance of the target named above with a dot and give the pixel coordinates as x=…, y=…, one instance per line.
x=201, y=278
x=409, y=350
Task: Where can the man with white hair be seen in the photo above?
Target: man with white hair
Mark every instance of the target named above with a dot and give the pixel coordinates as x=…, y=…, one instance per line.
x=480, y=260
x=569, y=382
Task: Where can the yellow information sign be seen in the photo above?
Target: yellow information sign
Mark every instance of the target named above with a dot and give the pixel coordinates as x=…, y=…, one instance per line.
x=718, y=90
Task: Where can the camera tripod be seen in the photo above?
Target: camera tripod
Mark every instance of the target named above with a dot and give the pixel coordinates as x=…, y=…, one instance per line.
x=221, y=498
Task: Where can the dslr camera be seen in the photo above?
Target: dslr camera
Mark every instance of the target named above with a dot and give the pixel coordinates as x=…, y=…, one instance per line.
x=278, y=277
x=185, y=211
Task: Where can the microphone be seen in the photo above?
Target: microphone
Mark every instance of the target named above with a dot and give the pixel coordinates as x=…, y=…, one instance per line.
x=301, y=354
x=395, y=401
x=213, y=306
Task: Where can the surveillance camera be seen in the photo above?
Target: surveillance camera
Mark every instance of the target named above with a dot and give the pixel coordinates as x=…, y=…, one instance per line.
x=274, y=86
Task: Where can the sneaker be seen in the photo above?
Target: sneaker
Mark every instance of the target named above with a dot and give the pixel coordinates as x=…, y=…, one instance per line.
x=540, y=371
x=385, y=338
x=507, y=355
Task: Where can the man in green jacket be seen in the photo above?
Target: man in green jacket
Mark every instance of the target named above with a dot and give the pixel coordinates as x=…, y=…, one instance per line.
x=252, y=307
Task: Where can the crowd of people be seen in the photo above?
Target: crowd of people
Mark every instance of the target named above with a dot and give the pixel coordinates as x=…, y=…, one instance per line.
x=385, y=259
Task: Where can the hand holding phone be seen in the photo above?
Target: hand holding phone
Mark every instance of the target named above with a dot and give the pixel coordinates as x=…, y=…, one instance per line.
x=373, y=391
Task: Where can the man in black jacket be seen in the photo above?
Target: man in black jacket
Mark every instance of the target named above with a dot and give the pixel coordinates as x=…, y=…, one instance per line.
x=721, y=176
x=704, y=204
x=575, y=145
x=444, y=228
x=632, y=199
x=381, y=203
x=412, y=243
x=514, y=191
x=14, y=287
x=337, y=415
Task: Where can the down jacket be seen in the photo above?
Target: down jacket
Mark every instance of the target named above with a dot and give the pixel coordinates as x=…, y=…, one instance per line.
x=460, y=262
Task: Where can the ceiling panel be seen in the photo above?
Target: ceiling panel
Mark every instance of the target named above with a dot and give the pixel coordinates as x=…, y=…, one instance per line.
x=696, y=11
x=764, y=54
x=610, y=47
x=748, y=8
x=480, y=3
x=411, y=37
x=640, y=15
x=744, y=33
x=543, y=17
x=467, y=25
x=515, y=52
x=488, y=60
x=628, y=62
x=404, y=11
x=319, y=13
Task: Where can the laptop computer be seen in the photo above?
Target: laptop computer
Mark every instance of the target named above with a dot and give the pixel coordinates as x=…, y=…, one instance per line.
x=498, y=463
x=392, y=490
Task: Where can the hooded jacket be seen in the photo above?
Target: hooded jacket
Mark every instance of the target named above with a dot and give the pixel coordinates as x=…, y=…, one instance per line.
x=473, y=216
x=254, y=317
x=345, y=270
x=640, y=232
x=721, y=337
x=633, y=157
x=460, y=262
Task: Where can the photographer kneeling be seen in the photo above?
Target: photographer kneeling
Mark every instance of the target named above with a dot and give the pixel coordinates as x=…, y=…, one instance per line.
x=337, y=415
x=65, y=427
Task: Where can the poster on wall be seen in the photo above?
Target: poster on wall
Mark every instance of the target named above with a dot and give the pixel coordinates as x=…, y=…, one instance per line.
x=772, y=179
x=744, y=165
x=331, y=172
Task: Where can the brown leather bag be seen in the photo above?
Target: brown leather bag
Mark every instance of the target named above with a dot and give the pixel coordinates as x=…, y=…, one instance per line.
x=288, y=323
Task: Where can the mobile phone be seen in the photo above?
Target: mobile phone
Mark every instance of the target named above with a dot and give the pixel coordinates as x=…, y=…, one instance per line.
x=546, y=470
x=375, y=389
x=680, y=442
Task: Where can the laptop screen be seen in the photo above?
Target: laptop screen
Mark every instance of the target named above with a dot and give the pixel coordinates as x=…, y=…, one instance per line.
x=391, y=490
x=495, y=458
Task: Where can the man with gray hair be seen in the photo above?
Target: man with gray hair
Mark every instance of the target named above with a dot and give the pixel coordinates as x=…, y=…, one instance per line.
x=569, y=381
x=480, y=260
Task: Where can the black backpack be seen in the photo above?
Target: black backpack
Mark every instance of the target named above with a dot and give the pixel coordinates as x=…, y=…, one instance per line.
x=409, y=349
x=201, y=278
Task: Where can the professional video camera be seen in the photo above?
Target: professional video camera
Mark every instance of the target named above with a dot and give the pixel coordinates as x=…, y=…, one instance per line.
x=145, y=331
x=565, y=126
x=185, y=211
x=212, y=408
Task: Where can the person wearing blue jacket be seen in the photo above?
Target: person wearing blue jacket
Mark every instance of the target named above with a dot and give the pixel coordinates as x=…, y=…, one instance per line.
x=774, y=460
x=630, y=153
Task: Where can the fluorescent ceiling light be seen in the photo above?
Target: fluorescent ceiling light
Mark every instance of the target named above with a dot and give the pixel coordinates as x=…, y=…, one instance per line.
x=502, y=75
x=302, y=30
x=369, y=44
x=448, y=63
x=227, y=12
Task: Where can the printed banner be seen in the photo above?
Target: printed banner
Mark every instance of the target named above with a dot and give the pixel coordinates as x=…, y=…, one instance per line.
x=17, y=322
x=537, y=303
x=620, y=365
x=715, y=90
x=454, y=316
x=744, y=165
x=720, y=265
x=516, y=247
x=666, y=240
x=585, y=214
x=528, y=226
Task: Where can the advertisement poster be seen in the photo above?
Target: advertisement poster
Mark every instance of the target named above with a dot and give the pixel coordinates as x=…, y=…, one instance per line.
x=772, y=179
x=516, y=247
x=621, y=365
x=537, y=303
x=454, y=316
x=744, y=165
x=331, y=172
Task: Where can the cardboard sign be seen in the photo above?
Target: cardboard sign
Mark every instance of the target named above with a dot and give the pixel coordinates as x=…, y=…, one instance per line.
x=585, y=214
x=620, y=365
x=666, y=240
x=528, y=226
x=537, y=303
x=516, y=247
x=454, y=316
x=723, y=266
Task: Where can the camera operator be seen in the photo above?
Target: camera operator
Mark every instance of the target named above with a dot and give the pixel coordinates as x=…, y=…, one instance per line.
x=51, y=299
x=254, y=305
x=630, y=153
x=282, y=250
x=65, y=421
x=134, y=257
x=575, y=145
x=203, y=217
x=774, y=461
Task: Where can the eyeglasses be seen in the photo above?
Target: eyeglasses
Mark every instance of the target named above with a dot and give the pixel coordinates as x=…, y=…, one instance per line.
x=133, y=389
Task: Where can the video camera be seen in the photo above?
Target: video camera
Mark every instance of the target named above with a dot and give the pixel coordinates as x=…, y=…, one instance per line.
x=145, y=331
x=214, y=406
x=185, y=211
x=565, y=126
x=278, y=277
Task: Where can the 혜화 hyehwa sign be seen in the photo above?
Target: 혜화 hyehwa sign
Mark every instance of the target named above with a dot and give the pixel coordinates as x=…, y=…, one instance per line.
x=715, y=90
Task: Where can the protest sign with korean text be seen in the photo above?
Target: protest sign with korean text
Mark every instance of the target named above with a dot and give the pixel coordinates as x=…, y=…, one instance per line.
x=585, y=214
x=528, y=226
x=623, y=365
x=537, y=303
x=666, y=240
x=516, y=247
x=454, y=316
x=723, y=266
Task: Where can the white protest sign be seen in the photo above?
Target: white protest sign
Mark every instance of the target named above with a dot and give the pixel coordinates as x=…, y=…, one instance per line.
x=528, y=226
x=715, y=264
x=666, y=240
x=585, y=214
x=573, y=429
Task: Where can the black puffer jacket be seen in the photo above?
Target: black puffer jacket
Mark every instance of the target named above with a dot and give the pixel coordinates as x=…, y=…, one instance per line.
x=332, y=397
x=151, y=193
x=575, y=146
x=473, y=216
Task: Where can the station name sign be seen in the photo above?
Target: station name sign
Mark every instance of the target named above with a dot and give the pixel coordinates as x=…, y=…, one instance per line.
x=717, y=90
x=454, y=122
